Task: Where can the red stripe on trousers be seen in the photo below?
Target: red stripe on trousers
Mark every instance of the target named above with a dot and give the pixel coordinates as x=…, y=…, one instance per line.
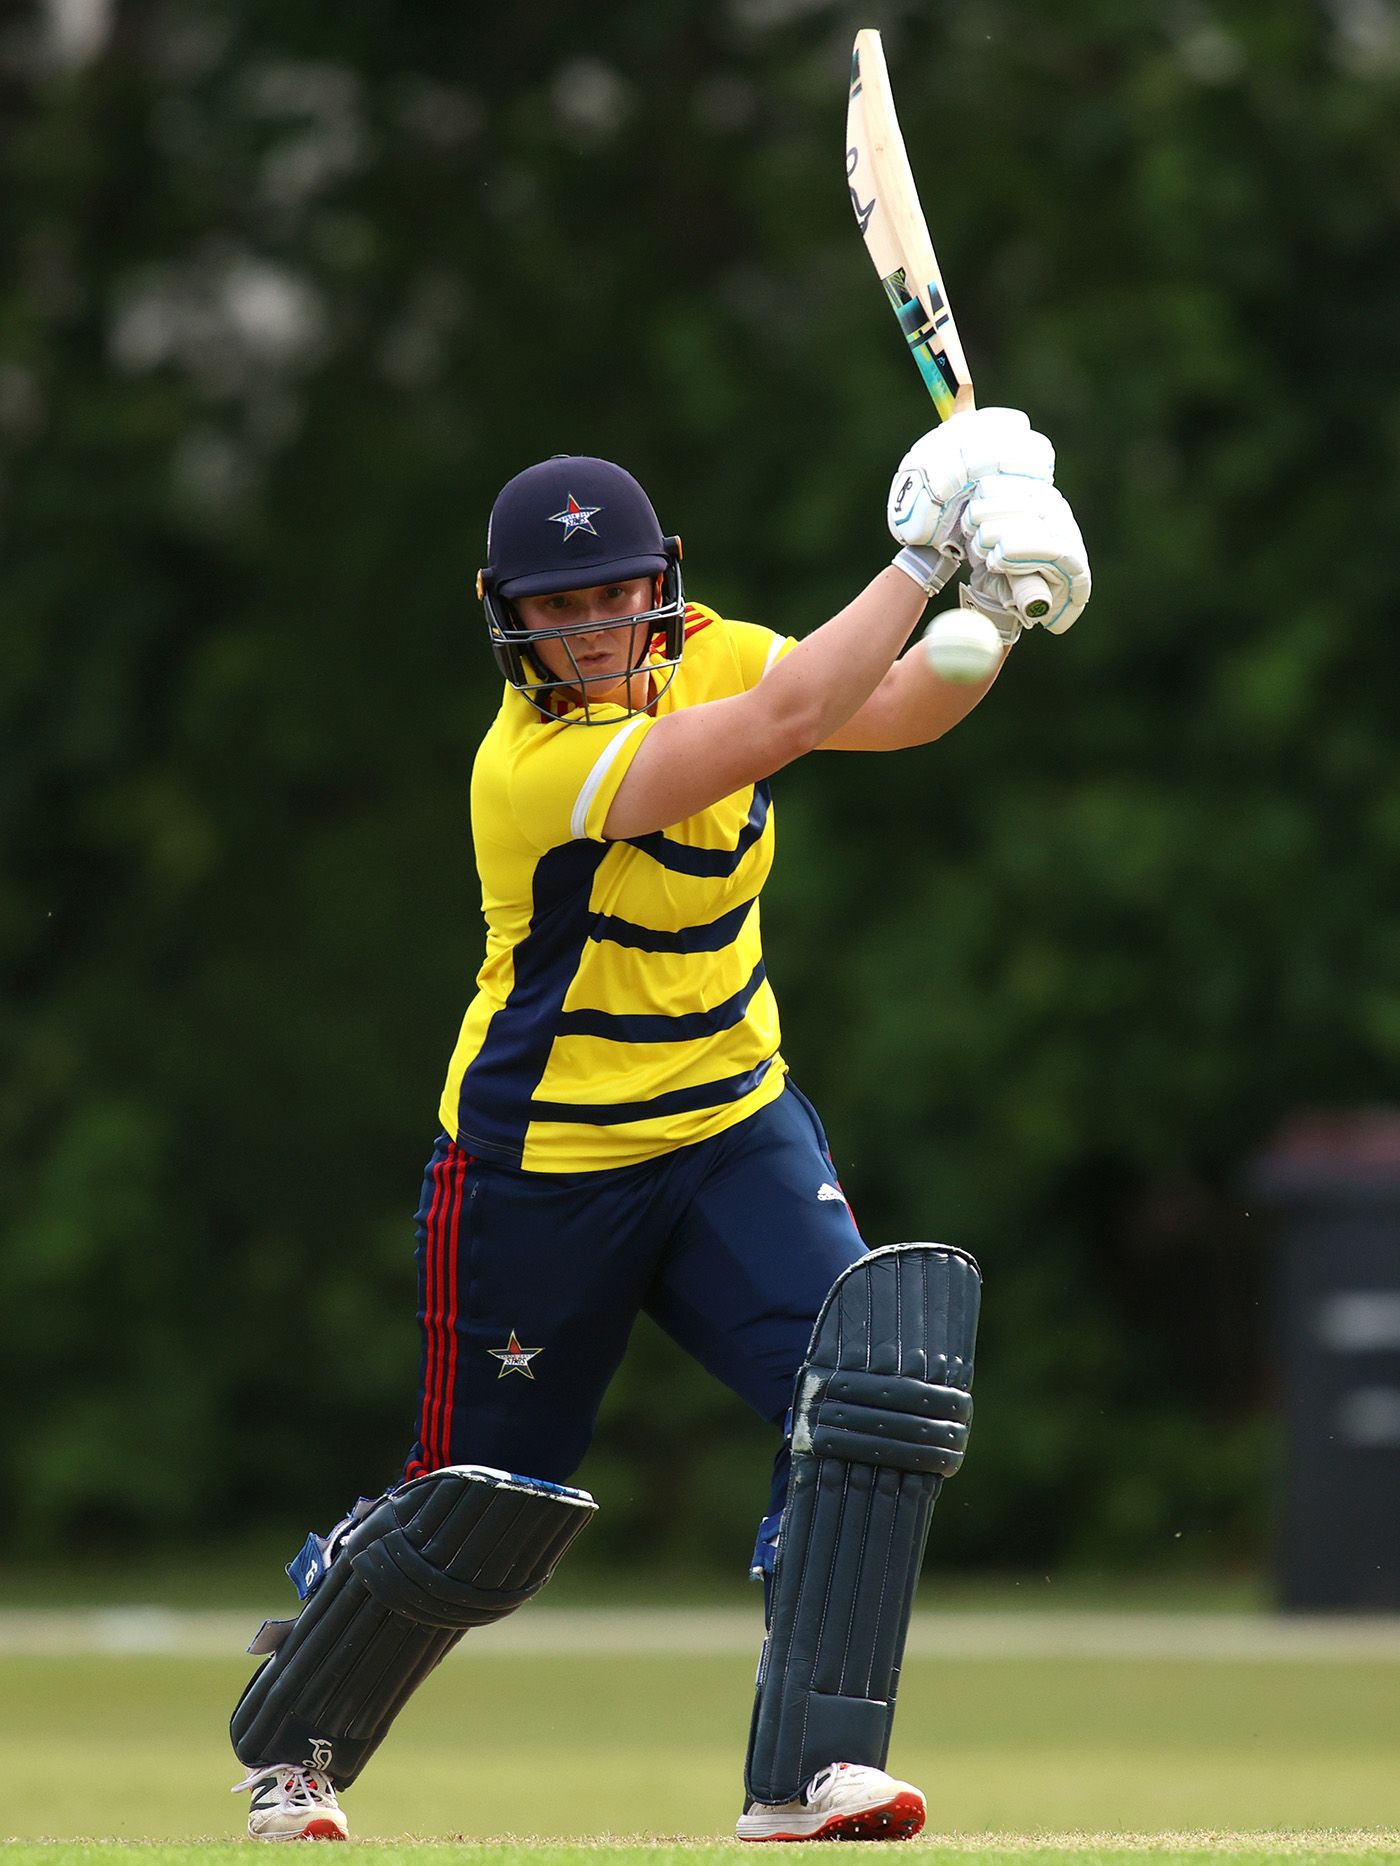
x=430, y=1324
x=449, y=1385
x=439, y=1424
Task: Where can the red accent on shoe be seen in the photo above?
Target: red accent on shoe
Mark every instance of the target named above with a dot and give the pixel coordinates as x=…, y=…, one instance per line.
x=321, y=1830
x=898, y=1819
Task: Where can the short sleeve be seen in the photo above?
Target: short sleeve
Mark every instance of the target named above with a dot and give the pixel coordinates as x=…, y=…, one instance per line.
x=564, y=778
x=757, y=648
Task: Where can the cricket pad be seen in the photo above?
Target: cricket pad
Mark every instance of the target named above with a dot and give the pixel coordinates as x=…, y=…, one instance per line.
x=881, y=1416
x=459, y=1548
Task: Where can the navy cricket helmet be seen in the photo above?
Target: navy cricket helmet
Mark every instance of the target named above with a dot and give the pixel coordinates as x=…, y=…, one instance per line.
x=571, y=523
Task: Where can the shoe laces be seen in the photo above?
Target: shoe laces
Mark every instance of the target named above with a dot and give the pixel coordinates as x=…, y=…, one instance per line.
x=820, y=1780
x=300, y=1788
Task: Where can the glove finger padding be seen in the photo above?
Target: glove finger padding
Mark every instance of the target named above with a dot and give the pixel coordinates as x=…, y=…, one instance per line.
x=991, y=594
x=1014, y=527
x=997, y=494
x=1002, y=440
x=937, y=475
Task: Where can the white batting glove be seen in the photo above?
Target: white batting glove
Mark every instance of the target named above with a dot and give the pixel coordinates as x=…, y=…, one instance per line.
x=1014, y=526
x=936, y=476
x=993, y=460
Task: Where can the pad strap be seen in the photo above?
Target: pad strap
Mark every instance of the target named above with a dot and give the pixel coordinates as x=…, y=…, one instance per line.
x=882, y=1419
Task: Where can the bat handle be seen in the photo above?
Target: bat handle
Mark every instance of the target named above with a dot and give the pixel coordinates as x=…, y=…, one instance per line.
x=1031, y=595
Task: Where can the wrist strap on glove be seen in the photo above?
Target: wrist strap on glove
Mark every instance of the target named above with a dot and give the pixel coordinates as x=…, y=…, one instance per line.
x=1004, y=619
x=929, y=569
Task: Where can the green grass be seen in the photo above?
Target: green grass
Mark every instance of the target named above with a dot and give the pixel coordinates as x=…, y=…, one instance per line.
x=1225, y=1757
x=1030, y=1850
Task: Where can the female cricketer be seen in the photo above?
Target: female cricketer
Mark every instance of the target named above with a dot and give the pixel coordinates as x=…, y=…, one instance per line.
x=620, y=1134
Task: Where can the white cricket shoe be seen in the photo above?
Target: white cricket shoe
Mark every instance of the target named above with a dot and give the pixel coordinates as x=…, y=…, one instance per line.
x=291, y=1803
x=846, y=1801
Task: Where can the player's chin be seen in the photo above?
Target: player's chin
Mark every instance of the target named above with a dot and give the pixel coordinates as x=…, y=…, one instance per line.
x=607, y=688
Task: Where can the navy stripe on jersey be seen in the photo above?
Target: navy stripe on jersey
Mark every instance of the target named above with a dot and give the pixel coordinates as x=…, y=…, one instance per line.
x=637, y=1027
x=681, y=859
x=712, y=937
x=674, y=1101
x=494, y=1104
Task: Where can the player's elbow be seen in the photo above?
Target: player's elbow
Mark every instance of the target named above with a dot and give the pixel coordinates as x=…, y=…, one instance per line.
x=792, y=740
x=795, y=725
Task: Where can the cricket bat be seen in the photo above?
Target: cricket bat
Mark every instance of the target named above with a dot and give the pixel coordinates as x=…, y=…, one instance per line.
x=892, y=224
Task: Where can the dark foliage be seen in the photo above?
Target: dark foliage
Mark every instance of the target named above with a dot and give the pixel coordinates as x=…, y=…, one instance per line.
x=288, y=292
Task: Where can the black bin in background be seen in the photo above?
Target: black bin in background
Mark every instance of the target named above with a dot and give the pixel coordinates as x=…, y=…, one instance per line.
x=1334, y=1183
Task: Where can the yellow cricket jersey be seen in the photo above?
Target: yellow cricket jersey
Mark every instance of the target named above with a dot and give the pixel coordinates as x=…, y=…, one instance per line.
x=622, y=1009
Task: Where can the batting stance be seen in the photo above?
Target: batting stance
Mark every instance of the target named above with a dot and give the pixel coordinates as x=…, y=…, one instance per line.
x=619, y=1134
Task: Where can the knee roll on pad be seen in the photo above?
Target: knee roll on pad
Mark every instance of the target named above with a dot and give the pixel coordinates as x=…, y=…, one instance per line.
x=880, y=1417
x=458, y=1548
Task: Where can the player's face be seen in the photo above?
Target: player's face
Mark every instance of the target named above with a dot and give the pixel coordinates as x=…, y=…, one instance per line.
x=601, y=649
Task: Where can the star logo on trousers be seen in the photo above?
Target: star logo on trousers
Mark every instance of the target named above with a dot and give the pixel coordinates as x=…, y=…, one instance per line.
x=513, y=1358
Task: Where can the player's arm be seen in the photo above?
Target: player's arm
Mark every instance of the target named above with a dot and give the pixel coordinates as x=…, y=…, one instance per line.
x=976, y=490
x=692, y=758
x=911, y=706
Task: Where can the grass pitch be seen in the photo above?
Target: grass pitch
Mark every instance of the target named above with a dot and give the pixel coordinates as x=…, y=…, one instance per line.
x=636, y=1756
x=1369, y=1849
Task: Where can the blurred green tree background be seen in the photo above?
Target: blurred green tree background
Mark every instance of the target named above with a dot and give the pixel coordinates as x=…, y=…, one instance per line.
x=288, y=292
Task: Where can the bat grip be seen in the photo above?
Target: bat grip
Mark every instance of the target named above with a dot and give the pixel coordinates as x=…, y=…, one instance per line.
x=1031, y=595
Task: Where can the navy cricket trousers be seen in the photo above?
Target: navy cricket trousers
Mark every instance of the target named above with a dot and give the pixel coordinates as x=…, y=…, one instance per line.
x=529, y=1284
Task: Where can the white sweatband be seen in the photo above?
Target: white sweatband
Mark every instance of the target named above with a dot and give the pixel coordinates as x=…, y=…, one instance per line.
x=927, y=568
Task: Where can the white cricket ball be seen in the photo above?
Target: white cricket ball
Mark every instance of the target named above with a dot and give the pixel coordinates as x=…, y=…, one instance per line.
x=962, y=646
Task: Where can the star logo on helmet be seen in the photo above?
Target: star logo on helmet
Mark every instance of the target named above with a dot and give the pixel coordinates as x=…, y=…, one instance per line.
x=575, y=517
x=513, y=1358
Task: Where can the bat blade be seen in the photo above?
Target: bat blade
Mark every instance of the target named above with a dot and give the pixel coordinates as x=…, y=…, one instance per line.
x=891, y=220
